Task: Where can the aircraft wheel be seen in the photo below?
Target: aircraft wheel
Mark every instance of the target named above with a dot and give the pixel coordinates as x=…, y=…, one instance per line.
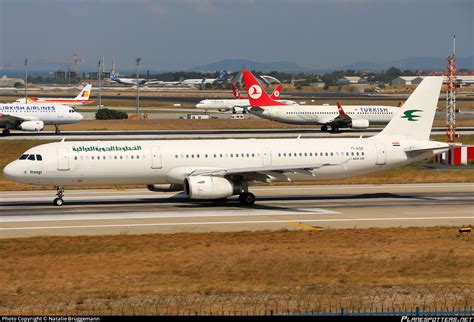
x=6, y=132
x=324, y=128
x=247, y=199
x=58, y=202
x=334, y=129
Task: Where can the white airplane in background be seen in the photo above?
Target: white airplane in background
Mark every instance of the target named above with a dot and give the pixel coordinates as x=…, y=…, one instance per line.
x=203, y=81
x=131, y=81
x=81, y=99
x=216, y=169
x=224, y=105
x=33, y=117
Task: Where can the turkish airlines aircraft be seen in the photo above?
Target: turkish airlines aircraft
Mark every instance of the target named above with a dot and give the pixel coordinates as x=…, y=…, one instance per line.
x=81, y=99
x=224, y=105
x=352, y=116
x=215, y=169
x=33, y=117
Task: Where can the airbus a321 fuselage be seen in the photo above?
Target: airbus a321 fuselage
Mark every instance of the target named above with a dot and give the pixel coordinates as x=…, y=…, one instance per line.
x=215, y=169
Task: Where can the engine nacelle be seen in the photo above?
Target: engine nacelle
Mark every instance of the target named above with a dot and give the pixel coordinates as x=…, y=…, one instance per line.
x=210, y=187
x=31, y=126
x=165, y=187
x=360, y=124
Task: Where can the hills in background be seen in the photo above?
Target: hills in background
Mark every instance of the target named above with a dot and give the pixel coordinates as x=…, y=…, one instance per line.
x=44, y=68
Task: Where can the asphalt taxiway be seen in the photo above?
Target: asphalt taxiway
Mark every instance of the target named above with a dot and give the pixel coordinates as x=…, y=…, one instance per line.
x=138, y=211
x=206, y=134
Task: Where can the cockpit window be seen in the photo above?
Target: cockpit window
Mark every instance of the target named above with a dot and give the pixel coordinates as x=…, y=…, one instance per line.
x=31, y=157
x=39, y=157
x=23, y=157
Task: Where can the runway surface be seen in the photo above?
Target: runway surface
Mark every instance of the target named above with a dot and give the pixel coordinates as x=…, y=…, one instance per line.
x=206, y=134
x=138, y=211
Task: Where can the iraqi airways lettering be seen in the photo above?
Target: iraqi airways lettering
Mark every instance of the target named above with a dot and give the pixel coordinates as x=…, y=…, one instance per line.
x=379, y=110
x=112, y=148
x=27, y=108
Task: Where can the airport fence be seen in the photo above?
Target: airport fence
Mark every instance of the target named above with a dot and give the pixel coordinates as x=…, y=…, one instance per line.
x=381, y=301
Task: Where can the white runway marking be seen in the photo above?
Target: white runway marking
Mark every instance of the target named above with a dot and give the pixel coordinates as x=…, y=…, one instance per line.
x=234, y=222
x=170, y=214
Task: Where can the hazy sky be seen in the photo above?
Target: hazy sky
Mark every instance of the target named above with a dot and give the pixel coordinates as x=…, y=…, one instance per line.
x=185, y=33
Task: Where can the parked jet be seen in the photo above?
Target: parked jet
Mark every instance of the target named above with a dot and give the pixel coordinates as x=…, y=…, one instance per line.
x=223, y=105
x=81, y=99
x=131, y=81
x=203, y=81
x=33, y=117
x=216, y=169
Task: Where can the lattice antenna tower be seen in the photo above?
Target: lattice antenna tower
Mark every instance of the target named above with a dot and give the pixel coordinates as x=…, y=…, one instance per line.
x=451, y=95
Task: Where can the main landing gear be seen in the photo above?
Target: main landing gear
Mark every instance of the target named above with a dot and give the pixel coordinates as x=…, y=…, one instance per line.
x=60, y=194
x=247, y=199
x=6, y=132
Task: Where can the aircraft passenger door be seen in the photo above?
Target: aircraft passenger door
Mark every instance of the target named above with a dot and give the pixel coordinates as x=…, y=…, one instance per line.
x=267, y=156
x=381, y=155
x=156, y=158
x=63, y=159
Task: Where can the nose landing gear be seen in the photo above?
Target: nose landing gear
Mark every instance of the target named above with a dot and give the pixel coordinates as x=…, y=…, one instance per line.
x=60, y=194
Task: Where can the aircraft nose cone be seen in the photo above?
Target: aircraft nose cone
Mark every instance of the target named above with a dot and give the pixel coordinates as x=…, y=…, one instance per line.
x=79, y=117
x=11, y=171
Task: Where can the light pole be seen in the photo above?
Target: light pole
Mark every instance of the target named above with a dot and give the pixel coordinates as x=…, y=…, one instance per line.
x=26, y=80
x=137, y=60
x=99, y=74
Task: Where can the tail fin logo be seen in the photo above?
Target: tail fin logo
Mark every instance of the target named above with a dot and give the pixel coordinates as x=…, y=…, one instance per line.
x=276, y=93
x=411, y=116
x=85, y=94
x=255, y=91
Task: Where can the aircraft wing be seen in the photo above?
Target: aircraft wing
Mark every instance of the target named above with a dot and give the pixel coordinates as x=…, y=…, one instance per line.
x=264, y=173
x=11, y=119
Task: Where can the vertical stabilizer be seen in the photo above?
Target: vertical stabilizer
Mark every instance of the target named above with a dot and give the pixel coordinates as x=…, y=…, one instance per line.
x=276, y=93
x=85, y=93
x=415, y=119
x=257, y=95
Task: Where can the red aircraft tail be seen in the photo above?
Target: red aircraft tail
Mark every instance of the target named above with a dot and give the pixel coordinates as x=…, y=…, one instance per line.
x=257, y=95
x=236, y=92
x=276, y=93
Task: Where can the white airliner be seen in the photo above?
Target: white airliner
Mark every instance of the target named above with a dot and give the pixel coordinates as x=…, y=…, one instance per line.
x=131, y=81
x=352, y=116
x=215, y=169
x=33, y=117
x=81, y=99
x=224, y=105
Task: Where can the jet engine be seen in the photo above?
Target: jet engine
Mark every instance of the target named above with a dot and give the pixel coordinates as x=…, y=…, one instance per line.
x=31, y=126
x=165, y=187
x=360, y=124
x=202, y=187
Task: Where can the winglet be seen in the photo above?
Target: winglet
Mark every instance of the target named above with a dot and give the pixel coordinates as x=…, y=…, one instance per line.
x=257, y=96
x=341, y=111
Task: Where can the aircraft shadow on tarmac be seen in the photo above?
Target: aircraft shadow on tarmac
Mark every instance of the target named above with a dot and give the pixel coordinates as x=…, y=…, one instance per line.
x=184, y=203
